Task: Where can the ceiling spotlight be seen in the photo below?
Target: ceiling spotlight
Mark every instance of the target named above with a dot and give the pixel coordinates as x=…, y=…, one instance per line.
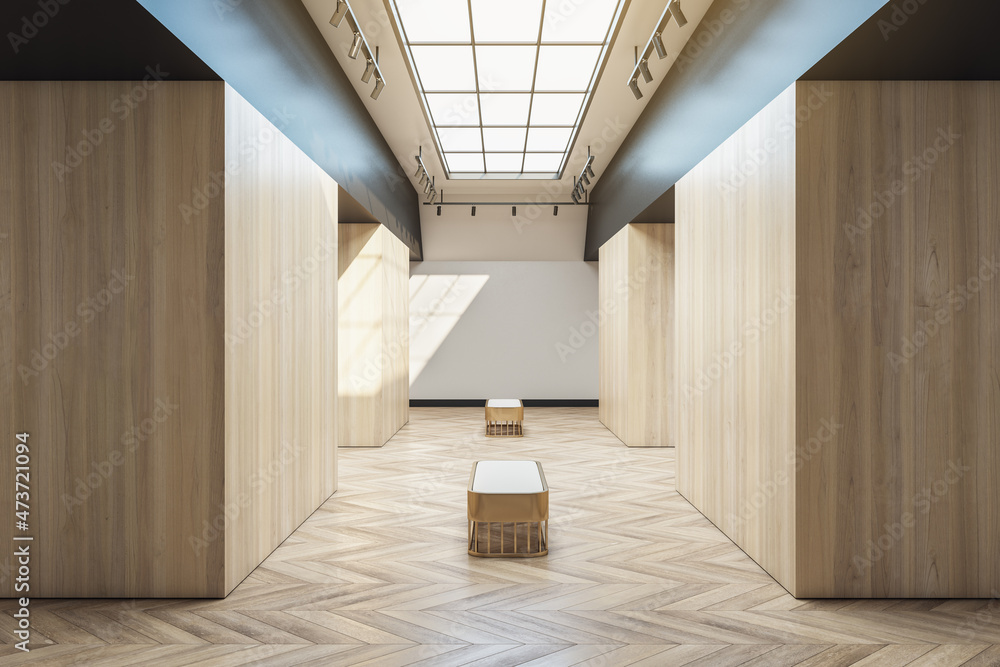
x=513, y=210
x=473, y=211
x=379, y=85
x=427, y=187
x=355, y=46
x=576, y=197
x=420, y=168
x=675, y=11
x=584, y=177
x=439, y=211
x=634, y=85
x=555, y=210
x=339, y=15
x=644, y=70
x=369, y=70
x=590, y=170
x=423, y=176
x=661, y=51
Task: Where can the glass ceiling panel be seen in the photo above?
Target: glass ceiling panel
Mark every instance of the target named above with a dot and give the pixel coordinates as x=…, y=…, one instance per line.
x=460, y=138
x=503, y=138
x=466, y=162
x=486, y=69
x=543, y=162
x=434, y=20
x=566, y=67
x=453, y=109
x=505, y=108
x=445, y=68
x=555, y=108
x=548, y=138
x=578, y=21
x=504, y=162
x=505, y=67
x=507, y=21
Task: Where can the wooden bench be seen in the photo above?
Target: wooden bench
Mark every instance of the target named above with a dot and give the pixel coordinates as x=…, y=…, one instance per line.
x=513, y=497
x=504, y=417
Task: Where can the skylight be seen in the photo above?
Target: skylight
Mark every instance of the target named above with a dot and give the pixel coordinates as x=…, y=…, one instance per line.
x=505, y=84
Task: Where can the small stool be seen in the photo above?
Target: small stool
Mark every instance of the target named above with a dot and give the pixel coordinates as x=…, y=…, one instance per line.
x=508, y=494
x=504, y=417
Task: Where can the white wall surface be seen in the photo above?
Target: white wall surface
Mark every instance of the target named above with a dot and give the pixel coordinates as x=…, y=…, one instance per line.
x=534, y=234
x=503, y=330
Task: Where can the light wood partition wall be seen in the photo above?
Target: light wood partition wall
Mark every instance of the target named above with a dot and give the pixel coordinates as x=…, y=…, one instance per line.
x=281, y=325
x=636, y=293
x=113, y=339
x=850, y=446
x=374, y=335
x=736, y=350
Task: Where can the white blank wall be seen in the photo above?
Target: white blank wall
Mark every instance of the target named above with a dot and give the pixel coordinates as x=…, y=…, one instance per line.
x=503, y=329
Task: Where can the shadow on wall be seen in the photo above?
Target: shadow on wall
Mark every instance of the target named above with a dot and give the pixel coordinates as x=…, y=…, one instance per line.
x=437, y=303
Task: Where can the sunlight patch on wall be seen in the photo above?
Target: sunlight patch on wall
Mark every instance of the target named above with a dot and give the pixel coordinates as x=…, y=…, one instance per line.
x=437, y=303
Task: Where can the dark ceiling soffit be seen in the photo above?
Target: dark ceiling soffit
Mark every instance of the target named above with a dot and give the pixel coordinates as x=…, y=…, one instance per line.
x=742, y=55
x=273, y=55
x=110, y=40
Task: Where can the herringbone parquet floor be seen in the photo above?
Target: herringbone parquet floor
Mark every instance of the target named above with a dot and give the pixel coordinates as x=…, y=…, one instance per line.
x=635, y=576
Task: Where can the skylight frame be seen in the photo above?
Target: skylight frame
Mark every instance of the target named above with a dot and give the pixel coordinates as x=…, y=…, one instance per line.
x=620, y=6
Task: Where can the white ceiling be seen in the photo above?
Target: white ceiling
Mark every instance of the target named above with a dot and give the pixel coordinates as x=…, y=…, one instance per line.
x=400, y=117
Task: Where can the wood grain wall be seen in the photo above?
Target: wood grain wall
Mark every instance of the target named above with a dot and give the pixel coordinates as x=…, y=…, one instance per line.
x=281, y=338
x=851, y=448
x=111, y=333
x=735, y=350
x=374, y=335
x=636, y=293
x=174, y=443
x=897, y=260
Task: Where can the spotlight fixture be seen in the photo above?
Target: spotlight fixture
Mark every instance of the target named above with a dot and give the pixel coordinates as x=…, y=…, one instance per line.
x=590, y=169
x=581, y=182
x=359, y=45
x=513, y=211
x=439, y=211
x=584, y=177
x=675, y=11
x=369, y=70
x=634, y=85
x=379, y=85
x=427, y=187
x=655, y=43
x=424, y=178
x=555, y=210
x=355, y=46
x=419, y=171
x=575, y=196
x=339, y=14
x=473, y=211
x=661, y=51
x=644, y=70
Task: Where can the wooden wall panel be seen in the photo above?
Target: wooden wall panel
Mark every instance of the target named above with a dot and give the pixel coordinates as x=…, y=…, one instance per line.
x=898, y=212
x=613, y=335
x=374, y=335
x=111, y=333
x=735, y=339
x=636, y=292
x=281, y=325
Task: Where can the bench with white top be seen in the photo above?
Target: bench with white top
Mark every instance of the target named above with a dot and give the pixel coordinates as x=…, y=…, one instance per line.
x=504, y=417
x=511, y=496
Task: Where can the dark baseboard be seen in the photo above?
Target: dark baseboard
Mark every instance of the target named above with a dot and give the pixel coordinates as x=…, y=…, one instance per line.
x=481, y=402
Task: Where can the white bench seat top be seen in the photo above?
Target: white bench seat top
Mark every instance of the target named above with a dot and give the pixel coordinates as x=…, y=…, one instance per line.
x=507, y=477
x=503, y=403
